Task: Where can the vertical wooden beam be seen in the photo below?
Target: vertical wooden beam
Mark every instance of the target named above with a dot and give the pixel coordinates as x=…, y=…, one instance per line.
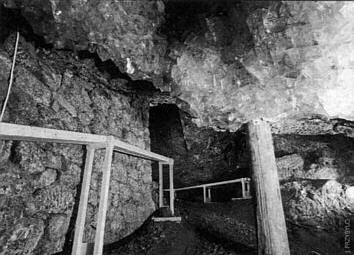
x=102, y=211
x=271, y=227
x=204, y=194
x=172, y=191
x=243, y=187
x=209, y=194
x=247, y=188
x=85, y=188
x=160, y=185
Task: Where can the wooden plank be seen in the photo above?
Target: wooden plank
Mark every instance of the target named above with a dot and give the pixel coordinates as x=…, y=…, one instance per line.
x=163, y=219
x=160, y=185
x=132, y=150
x=209, y=184
x=240, y=198
x=243, y=187
x=85, y=188
x=102, y=211
x=38, y=134
x=271, y=227
x=172, y=191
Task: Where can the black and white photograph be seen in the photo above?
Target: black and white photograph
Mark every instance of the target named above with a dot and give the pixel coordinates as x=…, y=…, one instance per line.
x=176, y=127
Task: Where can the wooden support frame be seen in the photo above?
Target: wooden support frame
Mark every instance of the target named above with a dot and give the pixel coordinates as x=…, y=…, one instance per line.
x=271, y=228
x=37, y=134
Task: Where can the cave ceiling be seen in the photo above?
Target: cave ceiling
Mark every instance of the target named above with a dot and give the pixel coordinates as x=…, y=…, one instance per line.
x=229, y=61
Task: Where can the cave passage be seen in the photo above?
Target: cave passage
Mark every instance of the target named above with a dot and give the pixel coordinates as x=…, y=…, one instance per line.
x=168, y=138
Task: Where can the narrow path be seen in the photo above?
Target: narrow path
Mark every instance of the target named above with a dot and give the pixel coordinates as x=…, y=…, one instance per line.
x=169, y=238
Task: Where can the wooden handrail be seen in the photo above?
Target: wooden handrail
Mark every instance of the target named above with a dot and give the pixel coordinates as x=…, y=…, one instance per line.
x=211, y=184
x=38, y=134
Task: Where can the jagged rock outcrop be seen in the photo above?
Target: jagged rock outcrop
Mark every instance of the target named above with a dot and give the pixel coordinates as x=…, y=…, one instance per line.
x=123, y=31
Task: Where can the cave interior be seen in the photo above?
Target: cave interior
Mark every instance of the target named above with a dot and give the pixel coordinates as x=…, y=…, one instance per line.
x=183, y=79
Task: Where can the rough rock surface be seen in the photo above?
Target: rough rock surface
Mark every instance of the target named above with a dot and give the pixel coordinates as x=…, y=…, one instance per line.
x=290, y=166
x=230, y=61
x=297, y=66
x=39, y=181
x=316, y=157
x=314, y=126
x=123, y=31
x=321, y=204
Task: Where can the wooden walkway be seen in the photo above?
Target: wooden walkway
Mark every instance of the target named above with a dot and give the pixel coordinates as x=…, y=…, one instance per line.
x=92, y=142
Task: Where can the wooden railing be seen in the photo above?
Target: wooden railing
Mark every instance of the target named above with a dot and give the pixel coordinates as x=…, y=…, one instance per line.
x=92, y=142
x=245, y=184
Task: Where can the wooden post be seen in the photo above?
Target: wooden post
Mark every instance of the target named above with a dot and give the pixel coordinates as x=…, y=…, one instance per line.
x=247, y=188
x=243, y=187
x=172, y=191
x=204, y=194
x=209, y=195
x=160, y=185
x=85, y=188
x=271, y=227
x=102, y=211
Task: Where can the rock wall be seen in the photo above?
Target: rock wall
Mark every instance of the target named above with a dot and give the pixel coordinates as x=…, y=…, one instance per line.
x=315, y=172
x=304, y=48
x=39, y=182
x=316, y=157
